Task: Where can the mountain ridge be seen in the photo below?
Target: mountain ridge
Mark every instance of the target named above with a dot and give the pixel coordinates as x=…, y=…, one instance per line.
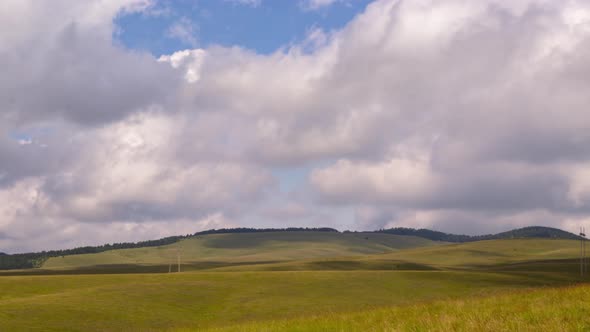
x=36, y=259
x=524, y=232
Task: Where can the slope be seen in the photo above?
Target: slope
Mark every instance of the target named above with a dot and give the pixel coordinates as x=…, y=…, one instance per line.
x=491, y=252
x=543, y=255
x=214, y=250
x=522, y=233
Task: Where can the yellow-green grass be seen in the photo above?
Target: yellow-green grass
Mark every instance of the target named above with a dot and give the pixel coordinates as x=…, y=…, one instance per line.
x=558, y=309
x=198, y=300
x=329, y=282
x=215, y=250
x=491, y=252
x=507, y=255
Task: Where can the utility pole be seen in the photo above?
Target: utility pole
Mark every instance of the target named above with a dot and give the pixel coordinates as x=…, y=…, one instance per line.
x=171, y=252
x=178, y=258
x=582, y=252
x=585, y=256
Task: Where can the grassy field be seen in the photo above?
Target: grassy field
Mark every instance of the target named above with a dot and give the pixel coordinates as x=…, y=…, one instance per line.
x=301, y=282
x=197, y=300
x=559, y=309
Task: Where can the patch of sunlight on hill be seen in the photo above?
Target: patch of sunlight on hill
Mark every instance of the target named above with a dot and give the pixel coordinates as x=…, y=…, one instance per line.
x=536, y=254
x=490, y=252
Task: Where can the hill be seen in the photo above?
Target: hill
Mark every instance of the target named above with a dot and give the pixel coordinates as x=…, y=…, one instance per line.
x=231, y=249
x=536, y=232
x=504, y=255
x=36, y=259
x=375, y=242
x=525, y=232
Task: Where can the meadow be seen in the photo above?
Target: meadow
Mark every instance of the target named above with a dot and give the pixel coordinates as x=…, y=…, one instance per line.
x=296, y=282
x=560, y=309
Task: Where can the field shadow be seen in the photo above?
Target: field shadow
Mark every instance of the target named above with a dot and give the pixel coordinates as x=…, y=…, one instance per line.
x=131, y=268
x=352, y=265
x=543, y=271
x=570, y=265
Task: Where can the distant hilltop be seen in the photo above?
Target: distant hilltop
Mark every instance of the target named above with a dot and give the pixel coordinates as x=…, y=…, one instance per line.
x=526, y=232
x=519, y=233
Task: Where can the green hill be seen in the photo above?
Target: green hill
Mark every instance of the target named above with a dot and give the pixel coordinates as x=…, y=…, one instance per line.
x=536, y=232
x=218, y=250
x=382, y=240
x=522, y=233
x=552, y=255
x=491, y=252
x=306, y=251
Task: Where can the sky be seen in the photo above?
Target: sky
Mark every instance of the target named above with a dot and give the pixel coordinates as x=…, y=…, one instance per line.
x=128, y=120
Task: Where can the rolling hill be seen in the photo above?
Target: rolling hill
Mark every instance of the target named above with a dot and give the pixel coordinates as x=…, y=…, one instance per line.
x=506, y=255
x=278, y=248
x=230, y=249
x=519, y=233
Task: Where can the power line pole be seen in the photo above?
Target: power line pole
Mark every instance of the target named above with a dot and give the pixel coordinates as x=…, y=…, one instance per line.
x=582, y=252
x=170, y=258
x=585, y=256
x=178, y=258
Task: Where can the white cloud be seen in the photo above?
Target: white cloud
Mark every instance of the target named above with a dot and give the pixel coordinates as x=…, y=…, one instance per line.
x=128, y=158
x=456, y=115
x=62, y=54
x=180, y=58
x=398, y=180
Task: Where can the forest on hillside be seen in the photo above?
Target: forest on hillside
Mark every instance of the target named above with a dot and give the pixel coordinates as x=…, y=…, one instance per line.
x=526, y=232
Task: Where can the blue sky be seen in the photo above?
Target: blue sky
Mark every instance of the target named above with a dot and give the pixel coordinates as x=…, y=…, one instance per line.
x=265, y=27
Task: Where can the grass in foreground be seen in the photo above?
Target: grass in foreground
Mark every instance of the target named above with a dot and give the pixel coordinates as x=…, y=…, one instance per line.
x=156, y=302
x=557, y=309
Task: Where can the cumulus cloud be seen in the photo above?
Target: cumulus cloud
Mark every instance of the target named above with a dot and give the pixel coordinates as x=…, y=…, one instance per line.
x=456, y=115
x=126, y=174
x=58, y=61
x=500, y=119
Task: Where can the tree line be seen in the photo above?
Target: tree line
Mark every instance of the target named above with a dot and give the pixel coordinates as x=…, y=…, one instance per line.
x=526, y=232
